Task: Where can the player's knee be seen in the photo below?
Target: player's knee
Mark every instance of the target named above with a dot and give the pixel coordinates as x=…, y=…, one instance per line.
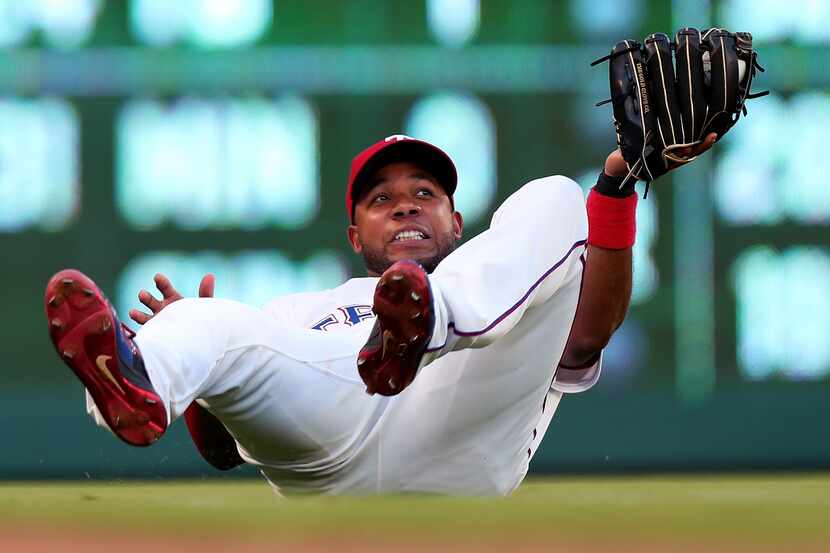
x=554, y=186
x=543, y=201
x=553, y=189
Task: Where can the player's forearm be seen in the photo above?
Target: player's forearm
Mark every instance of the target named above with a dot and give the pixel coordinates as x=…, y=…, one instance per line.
x=603, y=302
x=606, y=282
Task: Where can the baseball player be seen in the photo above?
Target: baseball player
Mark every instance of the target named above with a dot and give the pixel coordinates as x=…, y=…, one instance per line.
x=465, y=353
x=440, y=371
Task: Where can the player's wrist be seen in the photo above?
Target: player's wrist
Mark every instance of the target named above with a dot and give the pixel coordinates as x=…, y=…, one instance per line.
x=612, y=211
x=614, y=186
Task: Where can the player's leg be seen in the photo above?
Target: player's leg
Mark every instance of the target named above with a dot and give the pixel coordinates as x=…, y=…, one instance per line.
x=234, y=356
x=471, y=420
x=290, y=397
x=484, y=288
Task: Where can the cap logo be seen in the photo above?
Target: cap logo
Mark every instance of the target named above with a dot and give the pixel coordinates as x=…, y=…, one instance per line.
x=396, y=137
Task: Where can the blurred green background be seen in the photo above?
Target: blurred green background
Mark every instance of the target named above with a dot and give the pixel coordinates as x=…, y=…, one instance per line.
x=206, y=135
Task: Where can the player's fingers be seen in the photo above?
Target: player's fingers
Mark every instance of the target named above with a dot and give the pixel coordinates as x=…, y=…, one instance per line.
x=150, y=301
x=207, y=286
x=708, y=142
x=139, y=316
x=693, y=151
x=165, y=287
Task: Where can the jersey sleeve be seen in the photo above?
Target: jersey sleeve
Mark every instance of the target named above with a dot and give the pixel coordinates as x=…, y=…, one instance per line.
x=573, y=381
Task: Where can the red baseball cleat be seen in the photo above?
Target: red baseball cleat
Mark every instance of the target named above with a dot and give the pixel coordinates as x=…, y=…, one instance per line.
x=405, y=319
x=99, y=350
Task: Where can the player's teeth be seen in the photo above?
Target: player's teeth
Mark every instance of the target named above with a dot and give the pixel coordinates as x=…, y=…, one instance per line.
x=410, y=235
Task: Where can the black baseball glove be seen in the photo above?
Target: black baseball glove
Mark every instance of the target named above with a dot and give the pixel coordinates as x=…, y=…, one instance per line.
x=662, y=109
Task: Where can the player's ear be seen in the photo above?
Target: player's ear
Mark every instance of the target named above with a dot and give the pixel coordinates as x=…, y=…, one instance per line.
x=354, y=238
x=457, y=224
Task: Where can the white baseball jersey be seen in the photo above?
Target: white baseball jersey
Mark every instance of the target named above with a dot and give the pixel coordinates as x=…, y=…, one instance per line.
x=284, y=379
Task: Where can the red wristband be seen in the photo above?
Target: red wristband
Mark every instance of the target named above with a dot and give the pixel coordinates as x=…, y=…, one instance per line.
x=612, y=222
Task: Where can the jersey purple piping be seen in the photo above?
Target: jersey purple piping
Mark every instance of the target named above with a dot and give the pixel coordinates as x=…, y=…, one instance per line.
x=451, y=325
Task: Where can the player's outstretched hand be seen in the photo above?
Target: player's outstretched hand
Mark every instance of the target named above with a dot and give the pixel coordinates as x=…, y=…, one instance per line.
x=169, y=295
x=615, y=165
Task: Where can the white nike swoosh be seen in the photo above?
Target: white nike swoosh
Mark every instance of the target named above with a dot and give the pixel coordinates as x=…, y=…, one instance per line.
x=101, y=362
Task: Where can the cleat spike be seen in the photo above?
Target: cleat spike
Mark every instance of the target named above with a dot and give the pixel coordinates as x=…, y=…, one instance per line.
x=415, y=297
x=87, y=292
x=117, y=422
x=67, y=282
x=396, y=277
x=54, y=302
x=149, y=401
x=57, y=323
x=360, y=361
x=106, y=324
x=416, y=315
x=414, y=339
x=392, y=385
x=68, y=353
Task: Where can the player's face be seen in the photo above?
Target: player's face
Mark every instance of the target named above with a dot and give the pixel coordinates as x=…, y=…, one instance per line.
x=404, y=214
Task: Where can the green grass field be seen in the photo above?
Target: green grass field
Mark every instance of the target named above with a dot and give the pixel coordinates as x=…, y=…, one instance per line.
x=723, y=513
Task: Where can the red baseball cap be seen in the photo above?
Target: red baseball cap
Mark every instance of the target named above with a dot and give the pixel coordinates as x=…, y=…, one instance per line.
x=391, y=149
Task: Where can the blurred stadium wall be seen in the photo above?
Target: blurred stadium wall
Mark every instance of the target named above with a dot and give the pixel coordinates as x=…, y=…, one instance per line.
x=203, y=135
